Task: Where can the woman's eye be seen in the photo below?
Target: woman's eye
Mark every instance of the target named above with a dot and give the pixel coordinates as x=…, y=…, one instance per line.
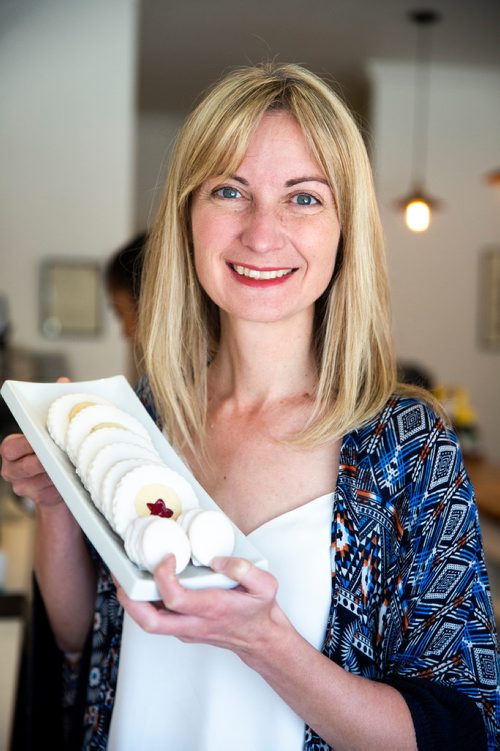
x=227, y=192
x=305, y=199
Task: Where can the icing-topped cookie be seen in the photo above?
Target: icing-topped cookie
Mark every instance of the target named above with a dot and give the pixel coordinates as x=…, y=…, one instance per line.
x=109, y=455
x=104, y=437
x=147, y=490
x=94, y=418
x=63, y=409
x=110, y=481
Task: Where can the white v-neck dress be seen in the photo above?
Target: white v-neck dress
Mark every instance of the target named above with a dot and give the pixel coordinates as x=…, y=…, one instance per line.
x=173, y=696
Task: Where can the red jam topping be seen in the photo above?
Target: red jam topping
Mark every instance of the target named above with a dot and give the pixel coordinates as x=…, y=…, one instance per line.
x=158, y=508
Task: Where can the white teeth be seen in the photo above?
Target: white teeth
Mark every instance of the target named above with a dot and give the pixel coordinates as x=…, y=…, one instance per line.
x=254, y=274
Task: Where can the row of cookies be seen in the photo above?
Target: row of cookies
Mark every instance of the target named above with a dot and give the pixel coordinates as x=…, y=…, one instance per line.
x=150, y=506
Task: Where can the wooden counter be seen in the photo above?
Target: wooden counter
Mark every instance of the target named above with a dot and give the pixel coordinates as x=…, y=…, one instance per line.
x=485, y=478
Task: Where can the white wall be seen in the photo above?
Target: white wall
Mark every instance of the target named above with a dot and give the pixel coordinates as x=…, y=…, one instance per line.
x=435, y=274
x=67, y=80
x=156, y=133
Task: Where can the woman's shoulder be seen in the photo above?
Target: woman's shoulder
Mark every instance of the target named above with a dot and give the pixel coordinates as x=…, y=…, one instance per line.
x=407, y=415
x=411, y=431
x=409, y=445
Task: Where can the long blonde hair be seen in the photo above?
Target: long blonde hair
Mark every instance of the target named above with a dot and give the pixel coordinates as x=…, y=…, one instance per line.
x=180, y=325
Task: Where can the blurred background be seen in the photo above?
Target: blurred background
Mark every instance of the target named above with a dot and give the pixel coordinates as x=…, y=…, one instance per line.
x=92, y=95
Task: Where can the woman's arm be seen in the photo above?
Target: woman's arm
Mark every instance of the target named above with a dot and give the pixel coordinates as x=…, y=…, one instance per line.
x=63, y=566
x=443, y=655
x=347, y=711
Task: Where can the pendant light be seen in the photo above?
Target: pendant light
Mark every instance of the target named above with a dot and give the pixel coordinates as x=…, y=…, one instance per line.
x=493, y=178
x=418, y=205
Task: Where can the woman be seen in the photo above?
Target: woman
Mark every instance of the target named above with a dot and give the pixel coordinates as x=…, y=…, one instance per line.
x=265, y=324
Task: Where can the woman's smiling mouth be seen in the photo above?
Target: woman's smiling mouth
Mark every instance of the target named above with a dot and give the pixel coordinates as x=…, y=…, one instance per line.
x=248, y=273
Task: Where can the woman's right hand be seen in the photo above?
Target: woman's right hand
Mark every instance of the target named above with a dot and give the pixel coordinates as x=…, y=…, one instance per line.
x=24, y=471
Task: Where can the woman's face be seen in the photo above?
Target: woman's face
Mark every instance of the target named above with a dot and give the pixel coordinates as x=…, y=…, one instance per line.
x=265, y=238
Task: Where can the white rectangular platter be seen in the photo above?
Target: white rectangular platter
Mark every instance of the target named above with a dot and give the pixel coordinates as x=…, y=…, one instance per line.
x=29, y=403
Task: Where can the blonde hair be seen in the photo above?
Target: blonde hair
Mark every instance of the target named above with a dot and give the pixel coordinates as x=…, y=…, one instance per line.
x=180, y=325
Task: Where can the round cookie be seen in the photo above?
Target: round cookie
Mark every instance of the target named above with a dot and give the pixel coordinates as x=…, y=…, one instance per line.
x=109, y=455
x=109, y=483
x=149, y=539
x=132, y=538
x=94, y=418
x=186, y=518
x=153, y=484
x=63, y=409
x=210, y=534
x=104, y=437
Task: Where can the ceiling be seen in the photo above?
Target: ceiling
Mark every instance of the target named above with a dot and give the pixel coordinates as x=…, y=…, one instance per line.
x=185, y=45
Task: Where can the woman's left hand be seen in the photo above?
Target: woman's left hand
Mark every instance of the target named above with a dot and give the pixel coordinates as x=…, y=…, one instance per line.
x=244, y=619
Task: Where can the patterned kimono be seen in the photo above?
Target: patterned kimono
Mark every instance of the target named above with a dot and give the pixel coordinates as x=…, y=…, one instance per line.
x=410, y=604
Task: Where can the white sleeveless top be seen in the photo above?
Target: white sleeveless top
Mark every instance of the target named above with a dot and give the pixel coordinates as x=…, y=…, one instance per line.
x=173, y=696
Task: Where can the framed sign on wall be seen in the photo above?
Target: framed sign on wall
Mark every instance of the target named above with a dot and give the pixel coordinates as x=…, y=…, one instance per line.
x=70, y=298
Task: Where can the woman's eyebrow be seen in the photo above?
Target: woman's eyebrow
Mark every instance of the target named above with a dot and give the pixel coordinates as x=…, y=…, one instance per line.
x=239, y=179
x=307, y=179
x=289, y=183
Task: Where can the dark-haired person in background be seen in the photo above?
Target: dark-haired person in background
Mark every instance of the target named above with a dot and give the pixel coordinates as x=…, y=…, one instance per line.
x=122, y=277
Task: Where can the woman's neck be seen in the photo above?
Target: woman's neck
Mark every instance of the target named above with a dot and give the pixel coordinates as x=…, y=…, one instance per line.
x=261, y=363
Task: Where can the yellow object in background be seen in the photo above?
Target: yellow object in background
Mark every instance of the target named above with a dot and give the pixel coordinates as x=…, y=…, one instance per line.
x=465, y=416
x=456, y=402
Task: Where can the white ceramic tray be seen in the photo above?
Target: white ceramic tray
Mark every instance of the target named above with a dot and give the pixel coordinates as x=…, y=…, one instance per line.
x=29, y=403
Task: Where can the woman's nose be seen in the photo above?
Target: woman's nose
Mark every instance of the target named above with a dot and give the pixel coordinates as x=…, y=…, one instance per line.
x=263, y=230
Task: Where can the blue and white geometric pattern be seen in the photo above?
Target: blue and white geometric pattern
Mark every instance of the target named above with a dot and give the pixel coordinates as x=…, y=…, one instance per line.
x=426, y=611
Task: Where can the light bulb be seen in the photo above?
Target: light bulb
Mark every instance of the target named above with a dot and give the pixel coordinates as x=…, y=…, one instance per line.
x=418, y=215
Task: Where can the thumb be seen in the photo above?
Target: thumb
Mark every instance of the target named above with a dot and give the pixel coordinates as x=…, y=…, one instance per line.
x=246, y=574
